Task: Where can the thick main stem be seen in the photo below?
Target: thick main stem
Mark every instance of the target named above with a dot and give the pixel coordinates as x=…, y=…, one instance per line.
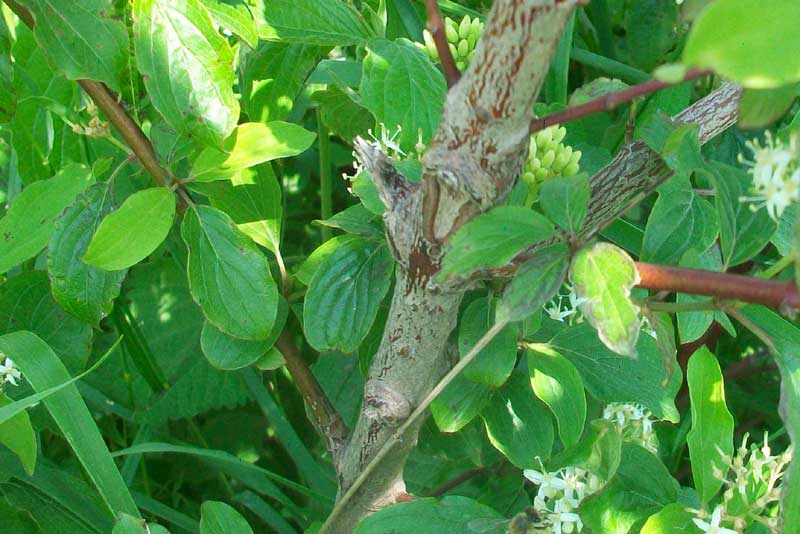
x=410, y=361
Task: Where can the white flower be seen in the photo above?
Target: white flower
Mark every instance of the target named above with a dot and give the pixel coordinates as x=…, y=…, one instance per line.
x=387, y=142
x=555, y=312
x=713, y=527
x=549, y=483
x=8, y=372
x=776, y=175
x=566, y=521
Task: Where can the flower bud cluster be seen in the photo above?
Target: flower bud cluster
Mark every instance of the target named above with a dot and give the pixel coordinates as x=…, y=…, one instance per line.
x=634, y=422
x=559, y=496
x=775, y=168
x=565, y=306
x=548, y=158
x=752, y=484
x=462, y=38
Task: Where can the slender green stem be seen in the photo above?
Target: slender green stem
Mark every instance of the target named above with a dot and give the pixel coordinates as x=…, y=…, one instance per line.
x=325, y=185
x=777, y=267
x=608, y=66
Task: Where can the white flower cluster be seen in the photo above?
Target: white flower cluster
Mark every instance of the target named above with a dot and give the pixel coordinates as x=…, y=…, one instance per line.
x=752, y=487
x=776, y=174
x=565, y=306
x=9, y=374
x=560, y=494
x=634, y=423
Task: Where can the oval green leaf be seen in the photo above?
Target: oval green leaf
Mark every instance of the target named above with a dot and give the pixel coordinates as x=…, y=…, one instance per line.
x=83, y=290
x=187, y=68
x=131, y=233
x=344, y=295
x=229, y=277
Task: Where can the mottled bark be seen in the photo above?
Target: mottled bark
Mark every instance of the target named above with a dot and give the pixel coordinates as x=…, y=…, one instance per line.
x=472, y=163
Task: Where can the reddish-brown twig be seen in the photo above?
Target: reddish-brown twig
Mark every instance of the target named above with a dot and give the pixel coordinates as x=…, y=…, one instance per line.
x=436, y=27
x=779, y=294
x=609, y=101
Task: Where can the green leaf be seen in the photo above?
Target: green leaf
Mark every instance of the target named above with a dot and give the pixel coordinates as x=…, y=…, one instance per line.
x=604, y=275
x=27, y=226
x=711, y=435
x=783, y=339
x=492, y=239
x=784, y=238
x=743, y=233
x=518, y=424
x=220, y=518
x=236, y=17
x=680, y=220
x=83, y=290
x=693, y=324
x=344, y=117
x=83, y=40
x=8, y=94
x=344, y=294
x=598, y=451
x=356, y=219
x=16, y=433
x=670, y=519
x=650, y=31
x=460, y=402
x=534, y=283
x=759, y=108
x=229, y=277
x=187, y=68
x=26, y=303
x=494, y=363
x=677, y=143
x=607, y=377
x=42, y=369
x=127, y=524
x=743, y=41
x=320, y=22
x=272, y=76
x=250, y=144
x=320, y=255
x=401, y=87
x=558, y=384
x=429, y=516
x=565, y=200
x=641, y=486
x=229, y=353
x=131, y=233
x=253, y=201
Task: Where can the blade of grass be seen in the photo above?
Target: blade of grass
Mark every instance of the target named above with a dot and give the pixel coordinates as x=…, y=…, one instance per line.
x=43, y=370
x=285, y=433
x=458, y=10
x=555, y=85
x=265, y=512
x=598, y=11
x=409, y=18
x=10, y=410
x=178, y=521
x=252, y=475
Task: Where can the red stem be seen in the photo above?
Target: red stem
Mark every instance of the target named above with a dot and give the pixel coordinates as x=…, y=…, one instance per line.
x=609, y=101
x=436, y=27
x=778, y=294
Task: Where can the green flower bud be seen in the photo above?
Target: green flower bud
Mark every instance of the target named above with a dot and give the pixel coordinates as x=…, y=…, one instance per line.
x=472, y=40
x=464, y=27
x=541, y=175
x=451, y=30
x=463, y=48
x=562, y=158
x=461, y=65
x=548, y=158
x=476, y=27
x=571, y=169
x=559, y=133
x=535, y=163
x=469, y=56
x=545, y=136
x=453, y=49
